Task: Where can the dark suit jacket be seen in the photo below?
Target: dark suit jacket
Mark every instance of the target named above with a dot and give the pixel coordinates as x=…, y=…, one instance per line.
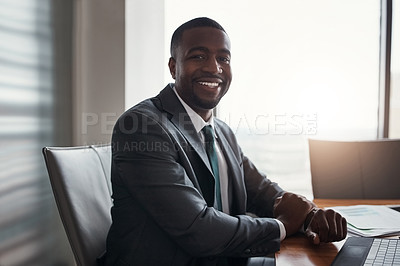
x=163, y=193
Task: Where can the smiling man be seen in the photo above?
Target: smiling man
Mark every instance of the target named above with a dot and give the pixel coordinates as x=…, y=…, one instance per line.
x=181, y=184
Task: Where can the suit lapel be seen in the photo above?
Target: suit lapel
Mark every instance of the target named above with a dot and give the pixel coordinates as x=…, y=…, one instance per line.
x=181, y=120
x=199, y=171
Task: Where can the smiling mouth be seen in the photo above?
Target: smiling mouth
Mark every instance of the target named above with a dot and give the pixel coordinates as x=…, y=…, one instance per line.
x=209, y=84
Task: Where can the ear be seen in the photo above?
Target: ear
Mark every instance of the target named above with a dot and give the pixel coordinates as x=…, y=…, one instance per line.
x=172, y=67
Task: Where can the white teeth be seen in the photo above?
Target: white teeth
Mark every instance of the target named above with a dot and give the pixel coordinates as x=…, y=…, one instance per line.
x=209, y=84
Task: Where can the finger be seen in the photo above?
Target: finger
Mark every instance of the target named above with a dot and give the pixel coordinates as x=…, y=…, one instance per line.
x=332, y=225
x=322, y=226
x=316, y=240
x=313, y=237
x=341, y=230
x=344, y=226
x=339, y=224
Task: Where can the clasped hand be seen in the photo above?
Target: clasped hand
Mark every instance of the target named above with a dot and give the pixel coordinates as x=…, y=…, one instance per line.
x=297, y=213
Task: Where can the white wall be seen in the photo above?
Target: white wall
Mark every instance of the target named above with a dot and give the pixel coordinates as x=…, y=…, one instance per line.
x=99, y=69
x=145, y=45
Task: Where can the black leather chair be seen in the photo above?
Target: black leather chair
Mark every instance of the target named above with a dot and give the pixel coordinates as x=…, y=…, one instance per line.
x=355, y=169
x=80, y=179
x=81, y=183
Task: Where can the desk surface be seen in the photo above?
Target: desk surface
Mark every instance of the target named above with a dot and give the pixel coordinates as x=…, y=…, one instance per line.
x=297, y=250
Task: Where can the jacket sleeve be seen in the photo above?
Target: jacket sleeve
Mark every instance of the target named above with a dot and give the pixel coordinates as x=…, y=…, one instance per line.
x=148, y=163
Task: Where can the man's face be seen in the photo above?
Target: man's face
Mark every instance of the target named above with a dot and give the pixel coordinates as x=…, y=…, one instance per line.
x=201, y=68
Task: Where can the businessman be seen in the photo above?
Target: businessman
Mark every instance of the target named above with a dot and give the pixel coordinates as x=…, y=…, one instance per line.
x=182, y=187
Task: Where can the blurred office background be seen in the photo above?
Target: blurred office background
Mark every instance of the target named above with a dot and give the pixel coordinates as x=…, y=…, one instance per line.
x=302, y=69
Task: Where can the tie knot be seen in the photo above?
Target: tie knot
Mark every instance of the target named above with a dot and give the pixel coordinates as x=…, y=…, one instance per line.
x=208, y=133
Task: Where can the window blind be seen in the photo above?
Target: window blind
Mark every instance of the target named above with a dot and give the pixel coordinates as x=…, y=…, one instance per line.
x=29, y=223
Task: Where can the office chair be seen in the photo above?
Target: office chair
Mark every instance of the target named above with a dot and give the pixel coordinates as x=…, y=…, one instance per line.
x=80, y=179
x=355, y=170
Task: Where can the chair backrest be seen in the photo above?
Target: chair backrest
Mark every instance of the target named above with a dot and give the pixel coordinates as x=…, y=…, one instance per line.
x=80, y=179
x=358, y=169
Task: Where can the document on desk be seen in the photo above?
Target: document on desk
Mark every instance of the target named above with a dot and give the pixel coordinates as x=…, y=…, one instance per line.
x=370, y=220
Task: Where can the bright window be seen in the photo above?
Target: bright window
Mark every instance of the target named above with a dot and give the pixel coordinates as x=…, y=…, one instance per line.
x=394, y=115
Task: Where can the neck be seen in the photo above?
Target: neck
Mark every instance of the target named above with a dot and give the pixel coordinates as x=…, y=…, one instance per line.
x=205, y=114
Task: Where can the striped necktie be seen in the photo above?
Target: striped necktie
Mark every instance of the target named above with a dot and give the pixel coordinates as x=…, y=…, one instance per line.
x=212, y=157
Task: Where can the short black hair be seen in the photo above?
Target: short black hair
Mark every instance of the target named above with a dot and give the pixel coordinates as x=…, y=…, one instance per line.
x=194, y=23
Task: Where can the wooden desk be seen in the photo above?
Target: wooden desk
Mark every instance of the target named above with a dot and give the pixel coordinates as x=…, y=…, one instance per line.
x=297, y=250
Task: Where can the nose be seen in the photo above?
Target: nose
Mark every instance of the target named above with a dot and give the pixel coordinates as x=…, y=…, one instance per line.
x=212, y=66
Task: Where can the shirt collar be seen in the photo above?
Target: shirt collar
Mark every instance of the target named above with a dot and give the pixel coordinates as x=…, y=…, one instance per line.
x=197, y=120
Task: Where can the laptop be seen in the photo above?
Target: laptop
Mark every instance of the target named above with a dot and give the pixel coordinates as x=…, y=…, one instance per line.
x=368, y=251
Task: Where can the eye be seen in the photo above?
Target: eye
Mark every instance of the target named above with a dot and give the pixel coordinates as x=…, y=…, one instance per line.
x=224, y=59
x=198, y=56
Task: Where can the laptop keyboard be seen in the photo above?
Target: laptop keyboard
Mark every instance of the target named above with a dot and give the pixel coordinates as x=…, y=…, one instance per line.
x=384, y=252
